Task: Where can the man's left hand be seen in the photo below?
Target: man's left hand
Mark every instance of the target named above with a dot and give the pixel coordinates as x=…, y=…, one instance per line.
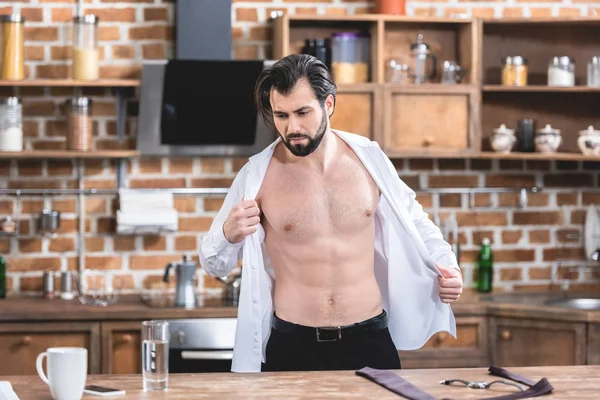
x=451, y=284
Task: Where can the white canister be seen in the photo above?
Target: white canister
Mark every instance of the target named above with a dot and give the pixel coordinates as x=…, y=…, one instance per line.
x=561, y=71
x=589, y=141
x=11, y=124
x=547, y=140
x=503, y=139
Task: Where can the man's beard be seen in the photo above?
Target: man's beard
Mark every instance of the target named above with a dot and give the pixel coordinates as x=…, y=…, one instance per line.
x=301, y=150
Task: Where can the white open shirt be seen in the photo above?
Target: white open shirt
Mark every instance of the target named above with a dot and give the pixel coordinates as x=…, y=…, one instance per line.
x=407, y=247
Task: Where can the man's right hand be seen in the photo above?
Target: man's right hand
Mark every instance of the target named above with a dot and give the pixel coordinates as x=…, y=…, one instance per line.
x=243, y=220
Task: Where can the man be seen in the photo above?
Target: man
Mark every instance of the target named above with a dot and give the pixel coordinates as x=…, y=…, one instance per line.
x=341, y=266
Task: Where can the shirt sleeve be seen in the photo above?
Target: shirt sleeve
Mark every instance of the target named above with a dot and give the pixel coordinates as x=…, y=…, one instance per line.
x=218, y=256
x=440, y=250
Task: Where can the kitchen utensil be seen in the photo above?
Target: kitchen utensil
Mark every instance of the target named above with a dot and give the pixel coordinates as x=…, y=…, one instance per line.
x=48, y=279
x=66, y=285
x=184, y=290
x=233, y=283
x=526, y=135
x=423, y=62
x=49, y=222
x=452, y=73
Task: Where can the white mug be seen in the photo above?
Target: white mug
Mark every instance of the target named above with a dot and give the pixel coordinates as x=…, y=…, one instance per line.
x=67, y=371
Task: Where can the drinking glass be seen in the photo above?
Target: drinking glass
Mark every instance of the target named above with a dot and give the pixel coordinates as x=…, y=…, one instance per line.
x=155, y=355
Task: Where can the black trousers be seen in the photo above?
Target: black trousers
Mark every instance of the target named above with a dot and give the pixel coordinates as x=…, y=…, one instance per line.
x=290, y=352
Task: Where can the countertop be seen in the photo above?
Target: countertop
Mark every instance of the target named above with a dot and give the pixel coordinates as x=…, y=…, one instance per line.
x=129, y=307
x=133, y=307
x=569, y=382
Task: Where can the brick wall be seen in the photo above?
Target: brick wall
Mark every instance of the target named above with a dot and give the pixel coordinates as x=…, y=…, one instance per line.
x=527, y=242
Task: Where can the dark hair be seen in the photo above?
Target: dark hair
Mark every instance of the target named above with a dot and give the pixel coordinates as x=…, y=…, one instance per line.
x=283, y=76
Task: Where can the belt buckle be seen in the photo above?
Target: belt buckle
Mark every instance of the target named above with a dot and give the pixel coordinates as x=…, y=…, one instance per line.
x=339, y=334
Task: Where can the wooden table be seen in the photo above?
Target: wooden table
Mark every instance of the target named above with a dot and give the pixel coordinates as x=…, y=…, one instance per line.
x=569, y=382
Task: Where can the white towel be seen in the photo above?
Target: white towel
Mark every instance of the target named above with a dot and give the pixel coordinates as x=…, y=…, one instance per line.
x=147, y=217
x=136, y=200
x=7, y=392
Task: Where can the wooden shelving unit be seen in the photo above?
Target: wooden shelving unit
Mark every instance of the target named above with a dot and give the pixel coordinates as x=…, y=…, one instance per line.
x=455, y=121
x=66, y=154
x=541, y=88
x=71, y=83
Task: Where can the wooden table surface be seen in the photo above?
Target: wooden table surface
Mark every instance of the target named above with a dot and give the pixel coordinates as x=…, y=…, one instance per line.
x=569, y=382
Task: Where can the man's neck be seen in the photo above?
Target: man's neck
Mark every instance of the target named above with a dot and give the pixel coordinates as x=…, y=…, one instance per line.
x=321, y=158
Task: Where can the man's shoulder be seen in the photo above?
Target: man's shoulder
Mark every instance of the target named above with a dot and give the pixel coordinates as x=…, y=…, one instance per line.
x=355, y=139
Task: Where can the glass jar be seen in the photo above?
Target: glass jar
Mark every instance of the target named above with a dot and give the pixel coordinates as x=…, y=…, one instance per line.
x=11, y=47
x=85, y=48
x=350, y=57
x=397, y=72
x=593, y=72
x=319, y=48
x=514, y=71
x=11, y=124
x=561, y=71
x=79, y=124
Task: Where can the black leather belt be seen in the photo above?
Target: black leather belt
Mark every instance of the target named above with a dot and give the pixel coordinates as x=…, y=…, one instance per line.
x=332, y=333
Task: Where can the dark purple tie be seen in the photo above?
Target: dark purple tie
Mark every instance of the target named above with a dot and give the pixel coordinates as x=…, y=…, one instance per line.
x=397, y=385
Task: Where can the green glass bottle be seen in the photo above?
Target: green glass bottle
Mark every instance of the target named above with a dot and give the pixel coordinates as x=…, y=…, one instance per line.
x=485, y=263
x=2, y=277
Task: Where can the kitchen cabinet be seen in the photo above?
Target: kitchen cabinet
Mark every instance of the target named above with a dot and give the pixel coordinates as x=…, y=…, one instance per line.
x=356, y=108
x=20, y=344
x=428, y=122
x=469, y=349
x=593, y=344
x=521, y=342
x=121, y=347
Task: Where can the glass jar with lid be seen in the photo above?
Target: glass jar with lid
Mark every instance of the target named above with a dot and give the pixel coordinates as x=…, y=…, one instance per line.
x=561, y=71
x=11, y=47
x=85, y=48
x=79, y=123
x=11, y=124
x=593, y=72
x=350, y=57
x=514, y=71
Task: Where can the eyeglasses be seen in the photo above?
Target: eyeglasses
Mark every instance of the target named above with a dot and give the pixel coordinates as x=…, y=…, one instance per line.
x=478, y=384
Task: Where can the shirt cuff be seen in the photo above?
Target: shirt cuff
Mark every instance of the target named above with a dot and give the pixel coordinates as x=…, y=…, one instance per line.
x=221, y=245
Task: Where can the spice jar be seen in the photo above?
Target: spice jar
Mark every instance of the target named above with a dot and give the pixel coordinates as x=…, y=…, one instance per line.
x=514, y=71
x=85, y=48
x=561, y=71
x=350, y=57
x=11, y=47
x=11, y=124
x=593, y=72
x=79, y=124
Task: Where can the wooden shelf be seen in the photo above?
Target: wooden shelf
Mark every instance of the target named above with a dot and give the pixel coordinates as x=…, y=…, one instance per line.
x=375, y=18
x=548, y=20
x=541, y=88
x=356, y=87
x=493, y=156
x=72, y=83
x=538, y=156
x=65, y=154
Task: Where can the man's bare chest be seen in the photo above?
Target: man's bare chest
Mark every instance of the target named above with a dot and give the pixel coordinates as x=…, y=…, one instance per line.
x=301, y=205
